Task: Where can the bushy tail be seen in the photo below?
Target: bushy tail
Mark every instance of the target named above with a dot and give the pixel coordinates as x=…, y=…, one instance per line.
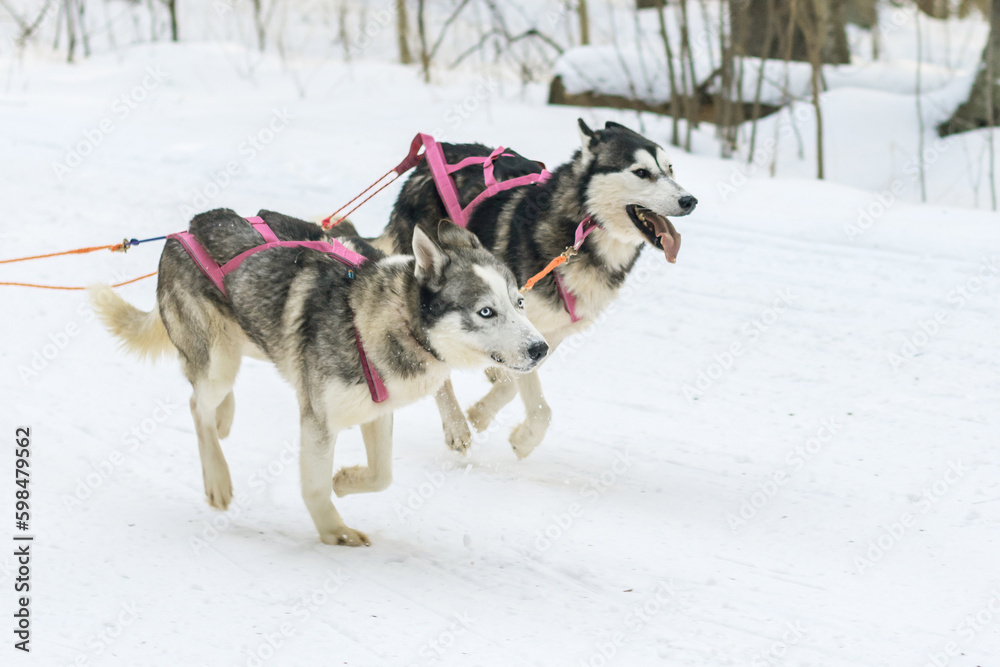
x=140, y=332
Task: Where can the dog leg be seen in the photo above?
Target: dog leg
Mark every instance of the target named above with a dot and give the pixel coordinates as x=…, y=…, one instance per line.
x=529, y=433
x=316, y=466
x=205, y=400
x=501, y=393
x=224, y=415
x=213, y=388
x=456, y=430
x=377, y=475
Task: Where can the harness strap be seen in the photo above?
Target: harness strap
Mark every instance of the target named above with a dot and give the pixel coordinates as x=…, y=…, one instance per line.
x=583, y=230
x=442, y=179
x=333, y=248
x=568, y=299
x=442, y=172
x=201, y=258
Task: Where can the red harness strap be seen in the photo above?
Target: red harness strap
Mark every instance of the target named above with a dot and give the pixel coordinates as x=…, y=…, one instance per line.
x=333, y=248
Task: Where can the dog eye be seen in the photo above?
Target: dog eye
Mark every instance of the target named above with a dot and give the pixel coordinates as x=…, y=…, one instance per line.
x=486, y=312
x=642, y=173
x=520, y=303
x=670, y=170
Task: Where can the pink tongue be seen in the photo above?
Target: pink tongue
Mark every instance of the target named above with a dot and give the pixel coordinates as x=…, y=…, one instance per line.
x=668, y=236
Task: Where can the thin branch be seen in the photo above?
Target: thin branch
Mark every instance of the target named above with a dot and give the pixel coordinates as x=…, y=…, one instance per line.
x=510, y=39
x=444, y=28
x=920, y=114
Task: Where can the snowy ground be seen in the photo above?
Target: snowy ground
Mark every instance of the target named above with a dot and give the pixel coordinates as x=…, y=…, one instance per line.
x=781, y=450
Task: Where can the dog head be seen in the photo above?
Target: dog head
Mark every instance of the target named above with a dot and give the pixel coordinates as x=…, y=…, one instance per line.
x=471, y=311
x=630, y=189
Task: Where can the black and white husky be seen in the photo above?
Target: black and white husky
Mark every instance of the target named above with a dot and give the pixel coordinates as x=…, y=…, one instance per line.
x=451, y=305
x=624, y=181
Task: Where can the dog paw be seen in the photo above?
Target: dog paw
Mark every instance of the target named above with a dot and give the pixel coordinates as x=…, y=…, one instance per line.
x=458, y=437
x=480, y=417
x=219, y=491
x=347, y=480
x=526, y=437
x=347, y=537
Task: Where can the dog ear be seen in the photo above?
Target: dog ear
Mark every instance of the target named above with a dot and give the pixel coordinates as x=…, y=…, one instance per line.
x=453, y=236
x=343, y=229
x=430, y=259
x=588, y=139
x=612, y=125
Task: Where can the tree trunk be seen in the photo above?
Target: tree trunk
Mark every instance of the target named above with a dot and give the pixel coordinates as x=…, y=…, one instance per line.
x=862, y=13
x=402, y=33
x=815, y=30
x=584, y=22
x=754, y=19
x=70, y=31
x=937, y=9
x=172, y=7
x=675, y=100
x=82, y=25
x=740, y=47
x=425, y=54
x=724, y=107
x=258, y=20
x=687, y=70
x=980, y=110
x=345, y=40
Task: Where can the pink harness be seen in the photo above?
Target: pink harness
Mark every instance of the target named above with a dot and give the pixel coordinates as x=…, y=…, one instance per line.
x=333, y=248
x=441, y=172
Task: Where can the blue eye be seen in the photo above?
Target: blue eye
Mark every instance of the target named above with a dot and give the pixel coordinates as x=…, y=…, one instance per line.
x=486, y=312
x=520, y=303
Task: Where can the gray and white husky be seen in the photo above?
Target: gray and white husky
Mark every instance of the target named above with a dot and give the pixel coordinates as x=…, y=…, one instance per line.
x=624, y=181
x=450, y=305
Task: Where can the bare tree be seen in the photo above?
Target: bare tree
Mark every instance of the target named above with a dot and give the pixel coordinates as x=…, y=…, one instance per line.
x=984, y=97
x=25, y=25
x=758, y=14
x=172, y=8
x=81, y=23
x=675, y=101
x=402, y=33
x=769, y=35
x=581, y=10
x=813, y=25
x=725, y=111
x=260, y=21
x=920, y=112
x=937, y=9
x=687, y=70
x=345, y=41
x=502, y=39
x=69, y=12
x=427, y=53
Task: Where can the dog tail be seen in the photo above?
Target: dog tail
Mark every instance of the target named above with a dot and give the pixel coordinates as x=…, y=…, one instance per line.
x=141, y=333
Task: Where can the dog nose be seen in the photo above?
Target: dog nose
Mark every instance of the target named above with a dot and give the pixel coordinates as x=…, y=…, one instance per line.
x=687, y=202
x=538, y=350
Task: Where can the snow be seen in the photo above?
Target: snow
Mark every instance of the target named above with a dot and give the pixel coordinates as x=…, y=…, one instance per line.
x=634, y=65
x=641, y=72
x=789, y=457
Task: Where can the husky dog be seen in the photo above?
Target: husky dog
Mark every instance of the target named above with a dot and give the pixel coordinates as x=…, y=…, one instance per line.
x=622, y=180
x=451, y=305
